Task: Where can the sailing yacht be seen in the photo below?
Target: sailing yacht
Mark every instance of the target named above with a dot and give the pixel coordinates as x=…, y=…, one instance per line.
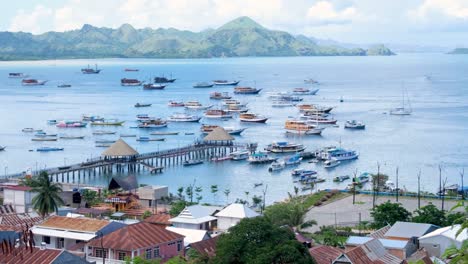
x=405, y=108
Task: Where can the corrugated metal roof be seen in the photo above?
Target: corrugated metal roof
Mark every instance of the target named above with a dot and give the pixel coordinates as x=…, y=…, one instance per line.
x=60, y=233
x=24, y=255
x=237, y=210
x=207, y=247
x=409, y=230
x=325, y=254
x=387, y=243
x=372, y=252
x=19, y=219
x=380, y=233
x=162, y=219
x=76, y=224
x=196, y=214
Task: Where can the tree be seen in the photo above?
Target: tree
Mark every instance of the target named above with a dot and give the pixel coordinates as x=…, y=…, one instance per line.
x=291, y=214
x=198, y=191
x=180, y=192
x=459, y=255
x=429, y=214
x=177, y=207
x=329, y=237
x=189, y=192
x=226, y=193
x=48, y=197
x=247, y=197
x=214, y=191
x=388, y=213
x=256, y=200
x=90, y=197
x=146, y=214
x=257, y=240
x=176, y=260
x=140, y=260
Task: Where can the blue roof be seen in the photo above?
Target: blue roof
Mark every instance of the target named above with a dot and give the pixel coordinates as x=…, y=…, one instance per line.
x=387, y=243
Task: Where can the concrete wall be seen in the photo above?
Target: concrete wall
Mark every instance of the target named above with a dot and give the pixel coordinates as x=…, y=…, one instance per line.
x=224, y=223
x=437, y=245
x=21, y=200
x=188, y=226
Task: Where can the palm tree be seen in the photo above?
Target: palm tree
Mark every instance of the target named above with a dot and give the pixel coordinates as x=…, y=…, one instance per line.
x=48, y=197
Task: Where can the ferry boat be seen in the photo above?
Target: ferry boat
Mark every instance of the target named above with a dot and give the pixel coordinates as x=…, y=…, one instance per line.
x=89, y=70
x=314, y=108
x=164, y=79
x=217, y=113
x=32, y=82
x=284, y=147
x=225, y=82
x=277, y=166
x=192, y=162
x=129, y=82
x=220, y=95
x=339, y=154
x=107, y=123
x=305, y=91
x=331, y=163
x=301, y=127
x=175, y=104
x=195, y=105
x=205, y=129
x=203, y=85
x=246, y=90
x=17, y=75
x=236, y=109
x=142, y=105
x=239, y=155
x=260, y=157
x=147, y=139
x=73, y=124
x=302, y=173
x=353, y=124
x=103, y=132
x=341, y=178
x=178, y=117
x=153, y=86
x=252, y=118
x=46, y=149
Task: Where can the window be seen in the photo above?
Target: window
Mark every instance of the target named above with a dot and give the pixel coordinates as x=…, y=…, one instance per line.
x=46, y=239
x=122, y=255
x=99, y=253
x=149, y=203
x=156, y=252
x=148, y=253
x=179, y=246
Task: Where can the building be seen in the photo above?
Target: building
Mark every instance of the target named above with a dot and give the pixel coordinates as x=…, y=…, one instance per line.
x=146, y=240
x=149, y=195
x=399, y=248
x=190, y=235
x=370, y=252
x=9, y=217
x=232, y=214
x=199, y=217
x=20, y=197
x=206, y=247
x=325, y=254
x=41, y=256
x=159, y=219
x=437, y=241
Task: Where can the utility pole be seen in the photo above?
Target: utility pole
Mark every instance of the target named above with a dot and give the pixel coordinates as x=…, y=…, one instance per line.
x=440, y=185
x=397, y=189
x=264, y=198
x=462, y=175
x=419, y=189
x=376, y=185
x=443, y=193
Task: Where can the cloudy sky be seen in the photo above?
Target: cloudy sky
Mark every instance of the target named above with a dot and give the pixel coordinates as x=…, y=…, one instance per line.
x=428, y=22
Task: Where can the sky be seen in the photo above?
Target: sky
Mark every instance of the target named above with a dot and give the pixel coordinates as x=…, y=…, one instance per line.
x=416, y=22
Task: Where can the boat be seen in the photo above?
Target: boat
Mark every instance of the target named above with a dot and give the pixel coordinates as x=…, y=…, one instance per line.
x=363, y=178
x=314, y=119
x=331, y=163
x=71, y=124
x=46, y=149
x=232, y=102
x=220, y=95
x=130, y=82
x=175, y=104
x=142, y=117
x=103, y=132
x=142, y=105
x=301, y=127
x=153, y=86
x=189, y=133
x=293, y=160
x=216, y=159
x=164, y=133
x=217, y=113
x=257, y=184
x=127, y=135
x=44, y=134
x=32, y=82
x=179, y=117
x=164, y=79
x=17, y=75
x=192, y=162
x=104, y=141
x=404, y=109
x=341, y=178
x=314, y=108
x=91, y=118
x=246, y=90
x=310, y=81
x=277, y=166
x=131, y=70
x=285, y=97
x=195, y=105
x=44, y=139
x=282, y=103
x=63, y=85
x=2, y=148
x=353, y=124
x=205, y=129
x=284, y=147
x=27, y=129
x=89, y=70
x=260, y=157
x=339, y=154
x=236, y=109
x=145, y=139
x=102, y=145
x=71, y=137
x=304, y=91
x=156, y=123
x=252, y=118
x=203, y=85
x=302, y=173
x=225, y=82
x=107, y=123
x=239, y=155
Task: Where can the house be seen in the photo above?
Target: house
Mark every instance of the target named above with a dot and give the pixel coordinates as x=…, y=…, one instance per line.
x=64, y=232
x=149, y=195
x=206, y=247
x=37, y=255
x=146, y=240
x=370, y=252
x=407, y=231
x=399, y=248
x=159, y=219
x=9, y=217
x=196, y=217
x=20, y=197
x=325, y=254
x=232, y=214
x=437, y=241
x=190, y=235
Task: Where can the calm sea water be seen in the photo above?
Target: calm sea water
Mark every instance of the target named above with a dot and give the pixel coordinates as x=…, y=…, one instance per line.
x=434, y=134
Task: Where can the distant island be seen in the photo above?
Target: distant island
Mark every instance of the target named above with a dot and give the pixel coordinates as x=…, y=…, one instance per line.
x=459, y=51
x=241, y=37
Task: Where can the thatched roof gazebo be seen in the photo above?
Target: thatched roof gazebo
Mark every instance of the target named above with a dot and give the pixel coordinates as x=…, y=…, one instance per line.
x=120, y=149
x=218, y=135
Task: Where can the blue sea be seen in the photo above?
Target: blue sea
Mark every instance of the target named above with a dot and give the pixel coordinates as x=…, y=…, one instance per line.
x=435, y=134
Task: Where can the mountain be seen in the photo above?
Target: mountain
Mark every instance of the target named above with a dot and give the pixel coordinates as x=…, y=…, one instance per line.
x=239, y=37
x=459, y=51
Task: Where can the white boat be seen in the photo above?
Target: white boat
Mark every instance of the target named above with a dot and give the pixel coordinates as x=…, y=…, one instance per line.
x=27, y=129
x=302, y=128
x=103, y=132
x=339, y=154
x=32, y=82
x=284, y=147
x=195, y=105
x=305, y=91
x=225, y=82
x=282, y=103
x=293, y=160
x=277, y=166
x=353, y=124
x=178, y=117
x=260, y=157
x=239, y=155
x=228, y=102
x=252, y=118
x=331, y=163
x=217, y=113
x=71, y=137
x=404, y=109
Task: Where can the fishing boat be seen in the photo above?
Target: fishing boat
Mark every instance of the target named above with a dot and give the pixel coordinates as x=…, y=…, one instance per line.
x=331, y=163
x=130, y=82
x=89, y=70
x=339, y=154
x=302, y=173
x=236, y=109
x=220, y=95
x=189, y=133
x=314, y=108
x=310, y=81
x=64, y=85
x=203, y=85
x=246, y=90
x=142, y=105
x=71, y=137
x=252, y=118
x=404, y=109
x=109, y=122
x=52, y=122
x=146, y=139
x=360, y=180
x=277, y=166
x=217, y=113
x=71, y=124
x=175, y=104
x=104, y=141
x=341, y=178
x=46, y=149
x=103, y=132
x=282, y=103
x=192, y=162
x=91, y=118
x=239, y=155
x=153, y=86
x=44, y=139
x=205, y=129
x=195, y=105
x=293, y=160
x=17, y=75
x=301, y=127
x=164, y=79
x=353, y=124
x=305, y=91
x=27, y=130
x=260, y=157
x=284, y=147
x=127, y=135
x=131, y=70
x=164, y=133
x=257, y=184
x=179, y=117
x=32, y=82
x=142, y=117
x=225, y=82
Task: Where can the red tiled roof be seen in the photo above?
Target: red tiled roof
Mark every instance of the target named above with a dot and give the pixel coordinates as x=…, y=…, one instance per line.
x=207, y=247
x=24, y=255
x=139, y=235
x=162, y=219
x=325, y=254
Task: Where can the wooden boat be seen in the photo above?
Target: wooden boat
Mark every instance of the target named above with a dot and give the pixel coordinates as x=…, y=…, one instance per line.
x=175, y=104
x=319, y=120
x=89, y=70
x=17, y=75
x=232, y=102
x=153, y=86
x=130, y=82
x=195, y=105
x=164, y=79
x=164, y=133
x=203, y=85
x=192, y=162
x=103, y=132
x=314, y=108
x=71, y=124
x=301, y=127
x=63, y=85
x=91, y=118
x=71, y=137
x=142, y=105
x=236, y=109
x=205, y=129
x=341, y=178
x=284, y=147
x=32, y=82
x=252, y=118
x=305, y=91
x=107, y=123
x=353, y=124
x=260, y=157
x=282, y=103
x=220, y=95
x=46, y=149
x=246, y=90
x=44, y=139
x=179, y=117
x=146, y=139
x=157, y=123
x=217, y=113
x=216, y=159
x=225, y=82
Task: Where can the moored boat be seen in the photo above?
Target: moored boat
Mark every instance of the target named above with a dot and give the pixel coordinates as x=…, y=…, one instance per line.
x=341, y=178
x=195, y=105
x=302, y=173
x=192, y=162
x=142, y=105
x=103, y=132
x=2, y=148
x=339, y=154
x=71, y=124
x=179, y=117
x=32, y=82
x=252, y=118
x=164, y=133
x=27, y=129
x=131, y=70
x=260, y=157
x=331, y=163
x=17, y=75
x=108, y=123
x=104, y=141
x=64, y=85
x=52, y=122
x=154, y=123
x=220, y=95
x=90, y=70
x=217, y=113
x=277, y=166
x=301, y=127
x=44, y=139
x=71, y=137
x=46, y=149
x=44, y=134
x=153, y=86
x=128, y=135
x=310, y=81
x=164, y=79
x=246, y=90
x=235, y=109
x=145, y=139
x=231, y=102
x=282, y=103
x=175, y=104
x=203, y=85
x=293, y=160
x=284, y=147
x=91, y=118
x=314, y=108
x=239, y=155
x=225, y=82
x=314, y=119
x=353, y=124
x=130, y=82
x=205, y=129
x=304, y=91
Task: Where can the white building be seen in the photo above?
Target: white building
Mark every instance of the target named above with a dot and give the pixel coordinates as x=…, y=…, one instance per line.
x=439, y=240
x=199, y=217
x=232, y=214
x=151, y=194
x=19, y=197
x=190, y=235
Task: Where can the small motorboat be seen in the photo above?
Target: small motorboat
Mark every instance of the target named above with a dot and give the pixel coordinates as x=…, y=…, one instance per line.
x=220, y=95
x=353, y=124
x=225, y=82
x=151, y=125
x=246, y=90
x=203, y=85
x=52, y=122
x=46, y=149
x=104, y=141
x=72, y=137
x=277, y=166
x=302, y=173
x=216, y=159
x=310, y=81
x=239, y=155
x=32, y=82
x=282, y=103
x=164, y=133
x=175, y=104
x=252, y=118
x=63, y=85
x=192, y=162
x=189, y=133
x=293, y=160
x=102, y=145
x=146, y=139
x=131, y=70
x=331, y=163
x=127, y=135
x=258, y=184
x=142, y=105
x=260, y=157
x=130, y=82
x=179, y=117
x=44, y=139
x=153, y=86
x=341, y=178
x=103, y=132
x=2, y=148
x=44, y=134
x=17, y=75
x=304, y=91
x=107, y=123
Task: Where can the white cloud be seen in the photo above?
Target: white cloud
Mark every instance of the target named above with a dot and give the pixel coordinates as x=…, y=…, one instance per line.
x=30, y=21
x=324, y=12
x=451, y=8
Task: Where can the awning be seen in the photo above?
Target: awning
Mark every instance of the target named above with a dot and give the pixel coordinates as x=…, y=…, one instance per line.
x=61, y=233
